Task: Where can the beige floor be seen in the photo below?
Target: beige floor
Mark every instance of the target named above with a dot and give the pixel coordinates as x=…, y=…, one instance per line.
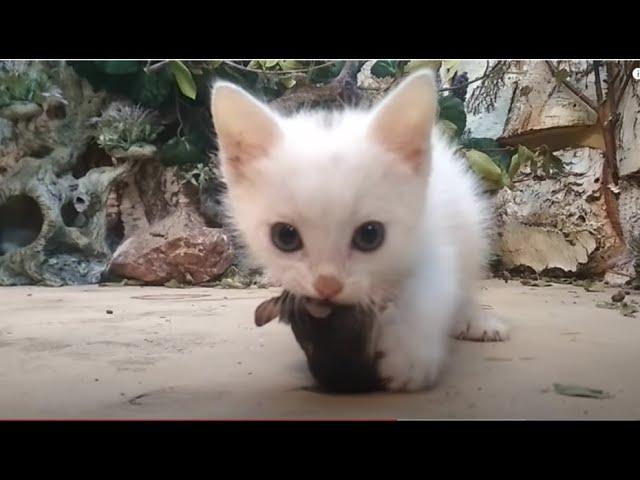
x=195, y=353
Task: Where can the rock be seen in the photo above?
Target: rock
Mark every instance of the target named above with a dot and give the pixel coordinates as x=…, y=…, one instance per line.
x=179, y=247
x=20, y=111
x=618, y=296
x=557, y=223
x=139, y=151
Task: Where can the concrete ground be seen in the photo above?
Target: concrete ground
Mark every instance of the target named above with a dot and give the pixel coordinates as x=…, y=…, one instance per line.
x=196, y=354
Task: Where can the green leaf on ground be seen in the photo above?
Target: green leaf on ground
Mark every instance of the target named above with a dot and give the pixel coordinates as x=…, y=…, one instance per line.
x=578, y=391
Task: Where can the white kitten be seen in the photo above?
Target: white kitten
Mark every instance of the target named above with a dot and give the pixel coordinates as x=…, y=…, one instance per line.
x=359, y=207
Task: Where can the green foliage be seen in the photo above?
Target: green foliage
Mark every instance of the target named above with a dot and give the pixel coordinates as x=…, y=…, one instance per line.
x=327, y=73
x=184, y=79
x=385, y=68
x=500, y=155
x=152, y=90
x=491, y=173
x=122, y=126
x=452, y=109
x=542, y=162
x=195, y=174
x=22, y=85
x=128, y=79
x=119, y=67
x=415, y=65
x=189, y=149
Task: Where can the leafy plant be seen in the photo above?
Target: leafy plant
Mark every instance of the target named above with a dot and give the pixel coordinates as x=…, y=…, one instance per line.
x=21, y=84
x=189, y=149
x=452, y=110
x=195, y=174
x=123, y=125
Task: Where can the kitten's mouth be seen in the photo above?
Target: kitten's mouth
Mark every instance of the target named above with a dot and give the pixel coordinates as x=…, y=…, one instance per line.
x=318, y=308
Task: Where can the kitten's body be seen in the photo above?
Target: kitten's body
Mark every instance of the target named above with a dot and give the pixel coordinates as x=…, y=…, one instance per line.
x=326, y=174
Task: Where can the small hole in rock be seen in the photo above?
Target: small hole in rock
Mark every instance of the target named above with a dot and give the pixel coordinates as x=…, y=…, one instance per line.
x=93, y=157
x=40, y=151
x=21, y=221
x=57, y=111
x=71, y=217
x=115, y=233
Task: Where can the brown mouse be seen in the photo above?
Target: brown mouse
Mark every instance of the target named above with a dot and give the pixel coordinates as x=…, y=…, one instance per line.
x=336, y=339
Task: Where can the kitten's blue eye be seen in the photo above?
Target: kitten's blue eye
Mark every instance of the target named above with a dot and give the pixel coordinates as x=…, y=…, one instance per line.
x=285, y=237
x=368, y=236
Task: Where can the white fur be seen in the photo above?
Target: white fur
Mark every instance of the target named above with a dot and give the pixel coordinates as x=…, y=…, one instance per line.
x=328, y=177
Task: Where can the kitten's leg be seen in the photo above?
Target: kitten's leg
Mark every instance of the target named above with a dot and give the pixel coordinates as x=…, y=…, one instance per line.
x=475, y=324
x=410, y=358
x=413, y=335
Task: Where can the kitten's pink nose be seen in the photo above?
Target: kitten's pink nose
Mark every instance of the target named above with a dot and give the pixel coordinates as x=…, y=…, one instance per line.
x=327, y=286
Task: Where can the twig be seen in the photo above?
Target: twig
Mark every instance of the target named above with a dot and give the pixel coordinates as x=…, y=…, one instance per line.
x=586, y=100
x=324, y=93
x=486, y=73
x=277, y=72
x=596, y=73
x=447, y=89
x=156, y=66
x=624, y=86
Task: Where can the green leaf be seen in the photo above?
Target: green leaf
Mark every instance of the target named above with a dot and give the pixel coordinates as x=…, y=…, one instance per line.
x=180, y=151
x=514, y=166
x=578, y=391
x=448, y=128
x=415, y=65
x=325, y=74
x=271, y=63
x=384, y=68
x=592, y=286
x=452, y=109
x=288, y=82
x=451, y=68
x=485, y=168
x=287, y=65
x=499, y=154
x=184, y=78
x=627, y=309
x=152, y=90
x=562, y=75
x=259, y=64
x=523, y=157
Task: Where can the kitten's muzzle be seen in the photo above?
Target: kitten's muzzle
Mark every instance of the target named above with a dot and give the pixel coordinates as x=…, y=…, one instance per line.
x=327, y=286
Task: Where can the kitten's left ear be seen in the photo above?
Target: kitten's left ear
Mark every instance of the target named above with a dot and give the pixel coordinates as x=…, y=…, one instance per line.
x=403, y=122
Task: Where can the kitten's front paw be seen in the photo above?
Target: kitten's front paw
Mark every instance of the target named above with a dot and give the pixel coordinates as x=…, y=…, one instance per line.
x=407, y=364
x=482, y=327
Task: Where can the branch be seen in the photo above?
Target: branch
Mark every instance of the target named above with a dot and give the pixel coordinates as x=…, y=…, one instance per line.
x=464, y=85
x=156, y=66
x=586, y=100
x=625, y=84
x=277, y=72
x=343, y=87
x=596, y=73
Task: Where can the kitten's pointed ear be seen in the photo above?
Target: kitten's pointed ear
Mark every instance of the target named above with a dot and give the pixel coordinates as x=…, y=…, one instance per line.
x=246, y=128
x=403, y=121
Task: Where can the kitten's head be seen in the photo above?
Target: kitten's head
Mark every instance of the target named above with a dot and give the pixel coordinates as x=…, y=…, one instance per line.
x=329, y=202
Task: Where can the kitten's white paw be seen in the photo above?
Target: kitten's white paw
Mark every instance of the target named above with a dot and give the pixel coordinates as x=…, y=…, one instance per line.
x=406, y=363
x=482, y=327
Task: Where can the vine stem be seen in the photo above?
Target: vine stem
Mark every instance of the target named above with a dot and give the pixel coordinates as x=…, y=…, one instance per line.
x=277, y=72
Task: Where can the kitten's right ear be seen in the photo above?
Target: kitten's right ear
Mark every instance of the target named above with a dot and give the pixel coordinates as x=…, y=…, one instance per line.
x=246, y=129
